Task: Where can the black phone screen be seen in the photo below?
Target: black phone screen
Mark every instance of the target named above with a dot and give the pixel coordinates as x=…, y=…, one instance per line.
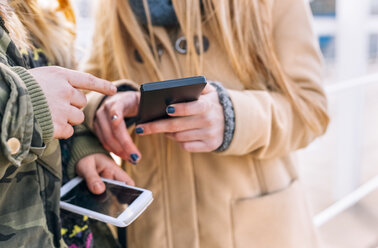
x=155, y=97
x=112, y=202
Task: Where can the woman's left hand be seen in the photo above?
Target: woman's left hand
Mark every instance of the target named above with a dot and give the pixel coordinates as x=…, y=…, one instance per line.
x=93, y=166
x=198, y=126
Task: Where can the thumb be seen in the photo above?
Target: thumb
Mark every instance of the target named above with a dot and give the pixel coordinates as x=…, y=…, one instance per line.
x=86, y=168
x=95, y=184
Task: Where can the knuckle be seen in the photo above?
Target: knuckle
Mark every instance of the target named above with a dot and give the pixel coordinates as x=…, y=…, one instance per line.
x=57, y=130
x=114, y=109
x=108, y=106
x=68, y=91
x=90, y=79
x=154, y=127
x=205, y=105
x=76, y=116
x=126, y=144
x=68, y=131
x=107, y=139
x=171, y=126
x=190, y=148
x=178, y=136
x=84, y=101
x=81, y=117
x=186, y=146
x=149, y=128
x=207, y=120
x=212, y=133
x=83, y=97
x=185, y=110
x=71, y=91
x=213, y=144
x=111, y=100
x=66, y=87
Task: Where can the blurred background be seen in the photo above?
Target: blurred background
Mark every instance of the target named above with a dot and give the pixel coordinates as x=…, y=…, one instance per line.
x=340, y=169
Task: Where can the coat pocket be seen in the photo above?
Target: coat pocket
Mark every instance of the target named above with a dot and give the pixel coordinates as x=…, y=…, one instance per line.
x=280, y=219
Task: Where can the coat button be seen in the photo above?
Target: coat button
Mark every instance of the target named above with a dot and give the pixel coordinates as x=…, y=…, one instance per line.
x=181, y=44
x=14, y=145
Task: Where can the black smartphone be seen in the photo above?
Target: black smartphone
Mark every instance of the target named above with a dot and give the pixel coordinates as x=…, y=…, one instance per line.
x=155, y=97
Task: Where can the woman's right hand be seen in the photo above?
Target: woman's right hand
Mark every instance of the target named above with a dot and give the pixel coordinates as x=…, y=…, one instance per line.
x=110, y=127
x=62, y=90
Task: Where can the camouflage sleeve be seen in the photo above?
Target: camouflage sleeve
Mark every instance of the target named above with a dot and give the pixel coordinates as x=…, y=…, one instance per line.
x=84, y=143
x=24, y=116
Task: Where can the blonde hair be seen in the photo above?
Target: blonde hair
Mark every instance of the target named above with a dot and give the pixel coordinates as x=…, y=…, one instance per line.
x=16, y=30
x=50, y=28
x=243, y=27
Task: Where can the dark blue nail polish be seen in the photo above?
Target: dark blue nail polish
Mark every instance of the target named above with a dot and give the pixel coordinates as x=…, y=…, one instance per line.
x=170, y=109
x=139, y=130
x=134, y=157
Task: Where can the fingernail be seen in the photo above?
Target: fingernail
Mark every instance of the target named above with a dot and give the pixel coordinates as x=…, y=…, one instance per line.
x=170, y=109
x=97, y=187
x=114, y=117
x=139, y=130
x=134, y=157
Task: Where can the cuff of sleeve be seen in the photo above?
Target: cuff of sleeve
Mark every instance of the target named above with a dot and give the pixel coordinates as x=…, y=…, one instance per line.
x=40, y=106
x=229, y=116
x=95, y=100
x=252, y=121
x=83, y=146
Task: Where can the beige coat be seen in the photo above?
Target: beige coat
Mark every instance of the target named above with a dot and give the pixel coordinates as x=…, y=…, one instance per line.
x=249, y=195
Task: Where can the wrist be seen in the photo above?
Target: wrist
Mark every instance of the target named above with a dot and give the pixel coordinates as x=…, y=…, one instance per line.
x=39, y=102
x=229, y=116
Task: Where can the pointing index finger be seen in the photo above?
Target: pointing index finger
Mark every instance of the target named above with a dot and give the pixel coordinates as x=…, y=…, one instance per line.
x=86, y=81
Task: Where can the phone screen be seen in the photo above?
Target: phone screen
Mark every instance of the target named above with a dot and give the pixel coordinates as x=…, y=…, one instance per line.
x=112, y=202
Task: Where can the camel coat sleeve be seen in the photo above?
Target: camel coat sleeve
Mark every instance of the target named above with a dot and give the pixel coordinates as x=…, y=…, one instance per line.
x=267, y=126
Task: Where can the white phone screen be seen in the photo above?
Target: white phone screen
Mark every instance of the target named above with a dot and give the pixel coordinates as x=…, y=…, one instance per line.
x=112, y=202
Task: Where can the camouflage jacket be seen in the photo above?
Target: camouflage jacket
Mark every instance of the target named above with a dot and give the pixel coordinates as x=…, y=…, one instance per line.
x=30, y=163
x=30, y=159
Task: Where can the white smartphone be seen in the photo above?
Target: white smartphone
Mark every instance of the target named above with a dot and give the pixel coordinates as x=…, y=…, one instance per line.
x=119, y=205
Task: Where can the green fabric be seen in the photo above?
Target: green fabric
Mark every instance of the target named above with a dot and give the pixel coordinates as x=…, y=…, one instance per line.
x=84, y=143
x=39, y=102
x=102, y=235
x=30, y=179
x=17, y=118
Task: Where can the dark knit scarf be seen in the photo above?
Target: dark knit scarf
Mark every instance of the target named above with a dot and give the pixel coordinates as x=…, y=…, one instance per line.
x=161, y=11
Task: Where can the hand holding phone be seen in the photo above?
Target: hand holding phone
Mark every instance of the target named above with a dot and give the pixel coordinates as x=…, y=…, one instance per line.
x=119, y=205
x=153, y=101
x=157, y=96
x=198, y=125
